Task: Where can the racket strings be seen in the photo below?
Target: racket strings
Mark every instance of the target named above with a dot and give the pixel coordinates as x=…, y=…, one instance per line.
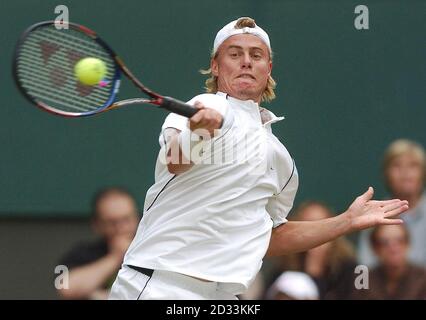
x=45, y=69
x=58, y=80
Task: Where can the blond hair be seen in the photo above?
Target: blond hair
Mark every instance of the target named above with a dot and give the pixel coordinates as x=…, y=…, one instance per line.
x=211, y=82
x=404, y=147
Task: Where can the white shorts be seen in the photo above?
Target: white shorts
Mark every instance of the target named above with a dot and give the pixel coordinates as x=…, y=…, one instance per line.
x=164, y=285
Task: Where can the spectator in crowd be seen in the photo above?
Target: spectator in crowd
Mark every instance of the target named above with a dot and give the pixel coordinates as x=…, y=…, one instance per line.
x=293, y=285
x=404, y=168
x=94, y=265
x=394, y=277
x=330, y=265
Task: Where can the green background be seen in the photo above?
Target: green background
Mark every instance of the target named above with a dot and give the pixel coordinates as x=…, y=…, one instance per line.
x=345, y=93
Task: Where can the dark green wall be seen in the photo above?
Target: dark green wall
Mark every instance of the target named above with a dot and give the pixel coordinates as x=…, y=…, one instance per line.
x=346, y=95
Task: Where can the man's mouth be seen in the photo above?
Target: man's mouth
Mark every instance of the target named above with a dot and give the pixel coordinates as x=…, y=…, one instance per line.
x=246, y=76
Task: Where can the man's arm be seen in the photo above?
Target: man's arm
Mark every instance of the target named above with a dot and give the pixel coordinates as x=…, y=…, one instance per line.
x=176, y=161
x=204, y=122
x=298, y=236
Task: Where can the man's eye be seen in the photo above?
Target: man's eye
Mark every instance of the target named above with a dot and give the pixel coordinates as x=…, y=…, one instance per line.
x=233, y=54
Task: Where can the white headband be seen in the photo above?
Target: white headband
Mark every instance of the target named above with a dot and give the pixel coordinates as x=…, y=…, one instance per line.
x=230, y=30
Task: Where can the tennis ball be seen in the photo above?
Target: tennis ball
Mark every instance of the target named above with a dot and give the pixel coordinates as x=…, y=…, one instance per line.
x=90, y=71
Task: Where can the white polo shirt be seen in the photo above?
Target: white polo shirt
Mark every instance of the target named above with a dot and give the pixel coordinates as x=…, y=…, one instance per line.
x=214, y=221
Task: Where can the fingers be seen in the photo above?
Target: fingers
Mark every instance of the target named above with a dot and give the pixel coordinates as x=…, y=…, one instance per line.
x=394, y=205
x=367, y=195
x=391, y=221
x=396, y=210
x=382, y=203
x=198, y=105
x=196, y=118
x=206, y=119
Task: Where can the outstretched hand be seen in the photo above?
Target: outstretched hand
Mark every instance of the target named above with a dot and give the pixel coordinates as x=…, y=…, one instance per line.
x=365, y=213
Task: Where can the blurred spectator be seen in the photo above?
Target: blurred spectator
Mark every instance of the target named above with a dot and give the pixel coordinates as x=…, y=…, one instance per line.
x=404, y=170
x=330, y=265
x=394, y=277
x=94, y=265
x=293, y=285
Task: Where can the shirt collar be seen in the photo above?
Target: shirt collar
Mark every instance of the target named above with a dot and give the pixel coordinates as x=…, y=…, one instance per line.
x=244, y=102
x=270, y=117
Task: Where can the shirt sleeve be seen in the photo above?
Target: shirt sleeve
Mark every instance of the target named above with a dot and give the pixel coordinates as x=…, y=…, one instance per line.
x=174, y=121
x=279, y=205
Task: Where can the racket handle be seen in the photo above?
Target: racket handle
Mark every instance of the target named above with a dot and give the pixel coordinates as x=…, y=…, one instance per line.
x=178, y=107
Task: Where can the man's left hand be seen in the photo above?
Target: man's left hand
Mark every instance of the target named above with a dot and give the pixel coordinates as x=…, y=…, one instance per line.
x=365, y=213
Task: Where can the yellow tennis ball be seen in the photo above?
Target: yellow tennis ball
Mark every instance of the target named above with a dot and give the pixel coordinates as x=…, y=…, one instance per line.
x=90, y=71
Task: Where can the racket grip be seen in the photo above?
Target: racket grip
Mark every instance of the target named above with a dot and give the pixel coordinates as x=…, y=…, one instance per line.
x=178, y=107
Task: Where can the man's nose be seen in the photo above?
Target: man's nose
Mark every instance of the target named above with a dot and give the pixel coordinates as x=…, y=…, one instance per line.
x=246, y=61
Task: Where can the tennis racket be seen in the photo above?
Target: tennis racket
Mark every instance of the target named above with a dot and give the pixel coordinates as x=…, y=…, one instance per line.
x=43, y=68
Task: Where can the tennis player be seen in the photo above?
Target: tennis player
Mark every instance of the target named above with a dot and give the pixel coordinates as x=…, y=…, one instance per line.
x=220, y=199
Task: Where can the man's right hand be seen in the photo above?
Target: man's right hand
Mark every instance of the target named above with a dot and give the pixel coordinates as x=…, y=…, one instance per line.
x=206, y=119
x=203, y=123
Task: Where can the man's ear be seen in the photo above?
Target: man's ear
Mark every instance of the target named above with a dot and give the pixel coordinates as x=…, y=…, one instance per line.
x=214, y=66
x=270, y=67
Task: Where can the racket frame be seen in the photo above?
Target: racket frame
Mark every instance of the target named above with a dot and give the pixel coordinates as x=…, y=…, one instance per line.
x=119, y=67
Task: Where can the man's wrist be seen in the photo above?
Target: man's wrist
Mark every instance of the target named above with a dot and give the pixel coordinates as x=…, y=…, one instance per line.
x=344, y=223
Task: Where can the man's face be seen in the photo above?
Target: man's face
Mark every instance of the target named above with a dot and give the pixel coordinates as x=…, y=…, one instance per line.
x=242, y=67
x=405, y=176
x=117, y=217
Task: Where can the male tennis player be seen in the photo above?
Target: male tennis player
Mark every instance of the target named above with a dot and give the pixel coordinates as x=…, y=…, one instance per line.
x=219, y=204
